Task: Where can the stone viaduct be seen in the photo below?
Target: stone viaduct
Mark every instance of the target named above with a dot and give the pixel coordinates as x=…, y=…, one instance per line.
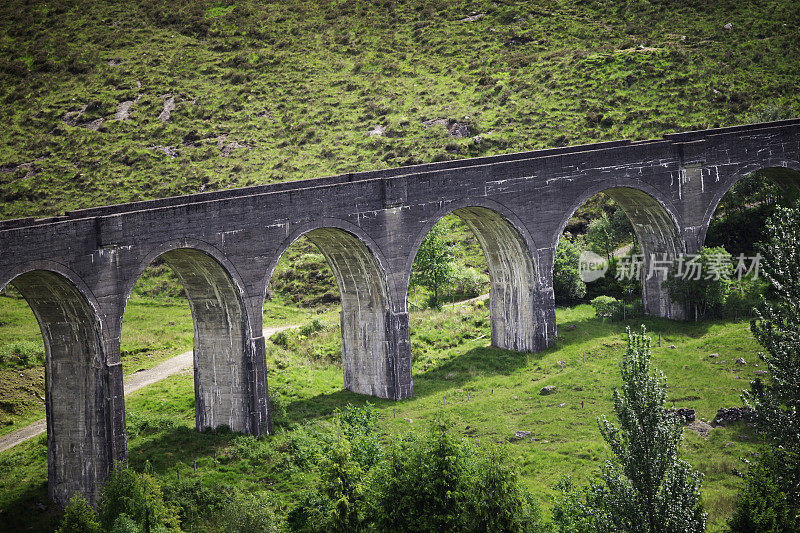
x=77, y=271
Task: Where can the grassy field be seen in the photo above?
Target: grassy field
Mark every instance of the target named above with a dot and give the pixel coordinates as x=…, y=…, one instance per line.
x=486, y=393
x=106, y=102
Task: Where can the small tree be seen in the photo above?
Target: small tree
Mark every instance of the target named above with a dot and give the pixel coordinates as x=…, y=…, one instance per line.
x=777, y=401
x=567, y=283
x=433, y=265
x=137, y=495
x=600, y=236
x=706, y=293
x=79, y=517
x=647, y=489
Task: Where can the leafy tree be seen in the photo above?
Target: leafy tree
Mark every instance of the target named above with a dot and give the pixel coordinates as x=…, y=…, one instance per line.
x=433, y=266
x=567, y=283
x=600, y=236
x=763, y=503
x=777, y=329
x=438, y=483
x=706, y=294
x=647, y=488
x=79, y=517
x=249, y=513
x=621, y=227
x=137, y=495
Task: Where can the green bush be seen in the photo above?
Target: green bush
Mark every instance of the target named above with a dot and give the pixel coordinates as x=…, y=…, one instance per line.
x=706, y=296
x=312, y=327
x=763, y=503
x=567, y=283
x=281, y=339
x=605, y=306
x=79, y=517
x=138, y=496
x=439, y=483
x=248, y=513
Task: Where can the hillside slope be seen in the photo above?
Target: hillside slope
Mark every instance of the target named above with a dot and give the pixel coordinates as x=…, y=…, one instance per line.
x=105, y=102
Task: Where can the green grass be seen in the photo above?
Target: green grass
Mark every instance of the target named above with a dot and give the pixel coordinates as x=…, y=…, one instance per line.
x=486, y=393
x=268, y=93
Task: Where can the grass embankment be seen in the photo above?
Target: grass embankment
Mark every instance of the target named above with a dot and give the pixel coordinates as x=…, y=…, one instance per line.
x=112, y=102
x=488, y=394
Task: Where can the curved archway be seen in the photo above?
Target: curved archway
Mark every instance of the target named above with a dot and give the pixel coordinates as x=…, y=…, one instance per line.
x=657, y=228
x=786, y=177
x=222, y=350
x=79, y=433
x=519, y=321
x=368, y=326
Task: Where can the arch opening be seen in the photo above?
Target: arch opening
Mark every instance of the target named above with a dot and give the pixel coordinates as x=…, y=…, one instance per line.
x=79, y=450
x=641, y=246
x=737, y=214
x=518, y=318
x=366, y=321
x=222, y=351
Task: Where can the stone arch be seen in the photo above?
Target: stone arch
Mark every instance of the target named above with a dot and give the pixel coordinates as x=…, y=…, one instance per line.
x=518, y=298
x=657, y=226
x=223, y=349
x=370, y=360
x=85, y=433
x=785, y=174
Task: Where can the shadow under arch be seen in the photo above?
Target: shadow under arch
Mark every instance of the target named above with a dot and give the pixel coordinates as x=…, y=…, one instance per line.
x=372, y=343
x=81, y=441
x=229, y=391
x=786, y=176
x=657, y=227
x=520, y=317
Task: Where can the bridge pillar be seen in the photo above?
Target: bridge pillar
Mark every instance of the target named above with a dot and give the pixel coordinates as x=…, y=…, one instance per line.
x=84, y=399
x=398, y=374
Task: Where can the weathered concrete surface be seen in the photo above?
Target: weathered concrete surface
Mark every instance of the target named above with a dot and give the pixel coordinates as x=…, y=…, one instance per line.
x=225, y=244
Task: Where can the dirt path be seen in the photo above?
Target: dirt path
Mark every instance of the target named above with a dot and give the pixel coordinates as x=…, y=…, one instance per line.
x=134, y=382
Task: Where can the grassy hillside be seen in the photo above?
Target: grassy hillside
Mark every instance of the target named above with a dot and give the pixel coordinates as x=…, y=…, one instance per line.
x=488, y=394
x=107, y=102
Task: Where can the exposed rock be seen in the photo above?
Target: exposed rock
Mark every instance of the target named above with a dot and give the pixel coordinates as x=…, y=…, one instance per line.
x=685, y=414
x=548, y=389
x=741, y=361
x=562, y=404
x=124, y=109
x=733, y=415
x=409, y=420
x=473, y=17
x=169, y=151
x=378, y=130
x=714, y=355
x=700, y=427
x=94, y=125
x=169, y=107
x=671, y=346
x=71, y=117
x=760, y=372
x=519, y=435
x=728, y=26
x=459, y=130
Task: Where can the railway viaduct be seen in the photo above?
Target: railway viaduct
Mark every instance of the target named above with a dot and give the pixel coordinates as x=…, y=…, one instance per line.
x=77, y=271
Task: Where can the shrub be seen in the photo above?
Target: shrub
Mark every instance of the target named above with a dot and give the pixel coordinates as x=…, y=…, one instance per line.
x=605, y=306
x=312, y=327
x=138, y=496
x=567, y=283
x=706, y=296
x=248, y=513
x=764, y=503
x=79, y=517
x=438, y=483
x=281, y=339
